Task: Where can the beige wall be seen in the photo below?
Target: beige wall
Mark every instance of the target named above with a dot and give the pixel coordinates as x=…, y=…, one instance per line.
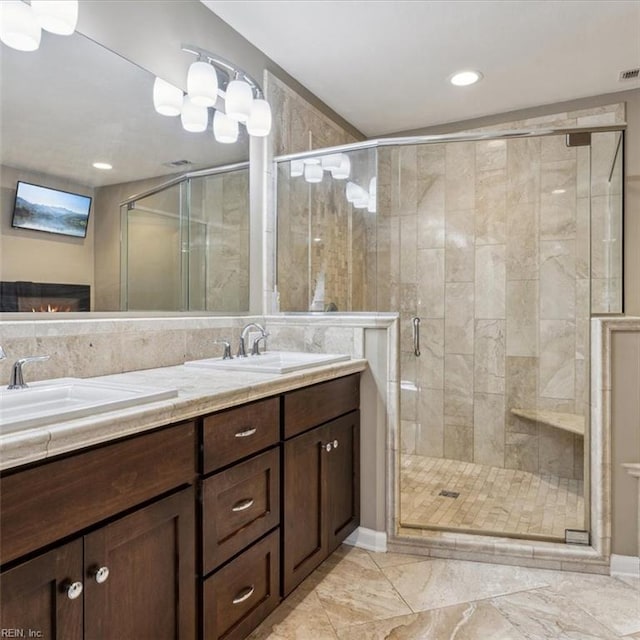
x=625, y=440
x=43, y=257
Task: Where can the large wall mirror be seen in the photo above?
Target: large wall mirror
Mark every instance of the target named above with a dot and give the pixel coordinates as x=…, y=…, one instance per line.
x=73, y=103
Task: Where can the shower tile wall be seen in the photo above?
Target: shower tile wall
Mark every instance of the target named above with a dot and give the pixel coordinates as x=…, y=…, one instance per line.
x=219, y=258
x=298, y=126
x=495, y=265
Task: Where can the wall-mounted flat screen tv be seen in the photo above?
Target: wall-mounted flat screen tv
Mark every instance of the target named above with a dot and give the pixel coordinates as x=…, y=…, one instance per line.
x=44, y=209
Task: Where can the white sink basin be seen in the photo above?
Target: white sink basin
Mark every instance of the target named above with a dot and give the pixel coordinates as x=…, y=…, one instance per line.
x=271, y=362
x=51, y=401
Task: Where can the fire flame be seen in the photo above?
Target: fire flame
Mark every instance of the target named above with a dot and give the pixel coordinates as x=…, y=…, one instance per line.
x=50, y=308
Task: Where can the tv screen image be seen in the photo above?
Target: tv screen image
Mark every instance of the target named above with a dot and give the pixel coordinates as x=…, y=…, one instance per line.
x=43, y=209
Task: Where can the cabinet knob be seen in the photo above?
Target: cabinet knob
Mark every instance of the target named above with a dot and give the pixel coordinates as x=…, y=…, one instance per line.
x=244, y=594
x=73, y=589
x=101, y=574
x=335, y=444
x=327, y=447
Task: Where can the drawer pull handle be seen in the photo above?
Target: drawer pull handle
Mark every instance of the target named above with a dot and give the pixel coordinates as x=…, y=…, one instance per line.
x=244, y=594
x=246, y=433
x=242, y=505
x=328, y=447
x=101, y=574
x=335, y=444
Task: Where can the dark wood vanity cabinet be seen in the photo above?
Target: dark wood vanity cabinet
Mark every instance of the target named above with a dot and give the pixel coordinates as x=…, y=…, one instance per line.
x=103, y=543
x=130, y=570
x=321, y=480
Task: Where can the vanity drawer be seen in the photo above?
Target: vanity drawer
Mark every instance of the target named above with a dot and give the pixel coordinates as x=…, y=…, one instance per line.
x=241, y=594
x=59, y=498
x=236, y=433
x=311, y=406
x=238, y=506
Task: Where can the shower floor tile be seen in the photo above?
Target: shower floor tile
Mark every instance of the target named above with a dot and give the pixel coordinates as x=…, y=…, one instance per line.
x=491, y=499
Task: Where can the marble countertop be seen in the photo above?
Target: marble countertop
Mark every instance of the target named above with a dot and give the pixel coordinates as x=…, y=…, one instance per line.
x=200, y=391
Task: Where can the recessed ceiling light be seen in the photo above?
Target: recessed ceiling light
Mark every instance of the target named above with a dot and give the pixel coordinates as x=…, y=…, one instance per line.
x=465, y=78
x=102, y=165
x=558, y=191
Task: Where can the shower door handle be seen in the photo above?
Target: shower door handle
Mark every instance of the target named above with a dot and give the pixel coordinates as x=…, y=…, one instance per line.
x=416, y=335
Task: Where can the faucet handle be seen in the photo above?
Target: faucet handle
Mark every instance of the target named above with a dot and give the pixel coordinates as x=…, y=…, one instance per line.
x=255, y=347
x=17, y=379
x=227, y=349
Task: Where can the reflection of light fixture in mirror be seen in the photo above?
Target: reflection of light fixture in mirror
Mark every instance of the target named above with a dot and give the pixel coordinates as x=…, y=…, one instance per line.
x=317, y=239
x=344, y=170
x=19, y=26
x=202, y=84
x=362, y=203
x=311, y=160
x=225, y=129
x=57, y=16
x=296, y=168
x=237, y=102
x=105, y=166
x=194, y=117
x=355, y=192
x=331, y=162
x=313, y=173
x=259, y=122
x=167, y=99
x=557, y=192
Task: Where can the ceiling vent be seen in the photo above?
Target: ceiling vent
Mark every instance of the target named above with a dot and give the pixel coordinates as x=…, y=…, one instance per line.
x=630, y=74
x=178, y=163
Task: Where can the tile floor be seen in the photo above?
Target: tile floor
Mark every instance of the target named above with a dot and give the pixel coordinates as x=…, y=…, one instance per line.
x=358, y=595
x=491, y=499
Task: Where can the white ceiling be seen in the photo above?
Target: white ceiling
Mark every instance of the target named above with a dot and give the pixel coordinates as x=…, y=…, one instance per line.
x=383, y=64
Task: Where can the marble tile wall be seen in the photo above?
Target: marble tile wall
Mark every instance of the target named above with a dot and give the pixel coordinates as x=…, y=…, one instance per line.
x=219, y=257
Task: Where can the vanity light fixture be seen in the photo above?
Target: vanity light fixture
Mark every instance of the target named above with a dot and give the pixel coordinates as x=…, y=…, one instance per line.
x=105, y=166
x=465, y=78
x=296, y=168
x=344, y=170
x=208, y=79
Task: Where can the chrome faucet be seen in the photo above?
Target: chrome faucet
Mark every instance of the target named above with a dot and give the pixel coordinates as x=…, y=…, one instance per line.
x=17, y=379
x=227, y=349
x=242, y=351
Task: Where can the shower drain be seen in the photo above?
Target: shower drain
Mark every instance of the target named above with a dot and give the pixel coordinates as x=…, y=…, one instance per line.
x=449, y=494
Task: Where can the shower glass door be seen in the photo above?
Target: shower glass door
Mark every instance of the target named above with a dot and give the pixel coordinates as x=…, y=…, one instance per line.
x=492, y=244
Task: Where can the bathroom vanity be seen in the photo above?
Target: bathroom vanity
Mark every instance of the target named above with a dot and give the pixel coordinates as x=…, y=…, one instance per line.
x=194, y=529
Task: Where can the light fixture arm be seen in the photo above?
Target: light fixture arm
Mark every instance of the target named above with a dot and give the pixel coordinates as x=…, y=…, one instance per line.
x=228, y=68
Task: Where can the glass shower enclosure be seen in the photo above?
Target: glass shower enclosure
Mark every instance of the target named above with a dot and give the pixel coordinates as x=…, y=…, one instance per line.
x=487, y=246
x=185, y=244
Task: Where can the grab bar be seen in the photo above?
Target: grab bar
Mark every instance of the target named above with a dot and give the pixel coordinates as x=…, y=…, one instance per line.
x=416, y=335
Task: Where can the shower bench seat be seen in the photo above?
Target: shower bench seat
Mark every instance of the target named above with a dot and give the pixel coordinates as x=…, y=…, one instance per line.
x=572, y=422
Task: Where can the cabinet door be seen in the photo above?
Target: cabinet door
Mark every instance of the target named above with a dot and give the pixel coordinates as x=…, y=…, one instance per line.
x=343, y=478
x=35, y=598
x=305, y=533
x=149, y=593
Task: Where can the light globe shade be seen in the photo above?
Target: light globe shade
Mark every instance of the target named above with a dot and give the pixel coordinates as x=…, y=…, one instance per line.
x=371, y=207
x=238, y=100
x=259, y=122
x=225, y=129
x=167, y=99
x=363, y=202
x=355, y=192
x=344, y=170
x=373, y=186
x=331, y=162
x=19, y=26
x=296, y=168
x=193, y=116
x=313, y=173
x=202, y=84
x=57, y=16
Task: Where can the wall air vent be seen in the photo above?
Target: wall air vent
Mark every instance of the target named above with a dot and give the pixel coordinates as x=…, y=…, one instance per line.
x=178, y=163
x=630, y=74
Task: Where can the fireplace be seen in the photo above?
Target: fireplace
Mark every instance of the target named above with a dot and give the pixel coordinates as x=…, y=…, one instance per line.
x=44, y=296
